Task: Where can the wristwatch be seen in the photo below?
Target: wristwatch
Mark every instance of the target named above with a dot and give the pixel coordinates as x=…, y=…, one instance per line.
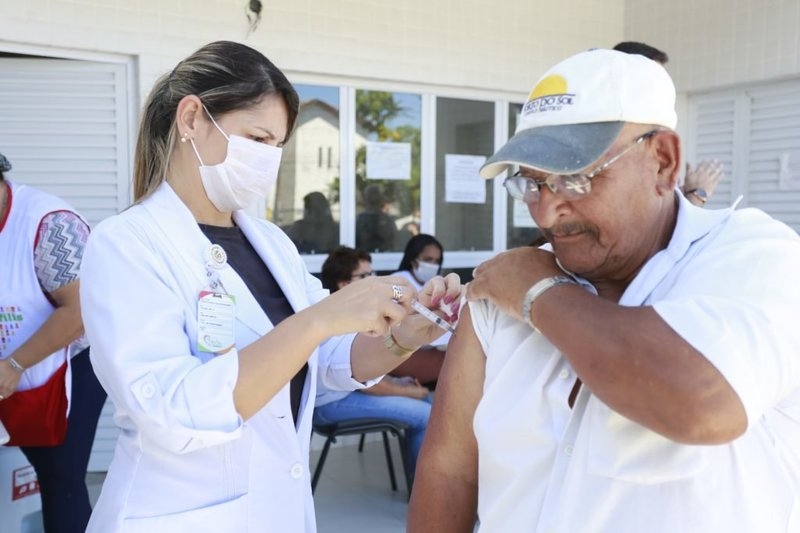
x=539, y=288
x=700, y=194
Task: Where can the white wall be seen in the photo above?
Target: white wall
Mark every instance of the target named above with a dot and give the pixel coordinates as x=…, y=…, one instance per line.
x=745, y=53
x=499, y=47
x=719, y=43
x=496, y=46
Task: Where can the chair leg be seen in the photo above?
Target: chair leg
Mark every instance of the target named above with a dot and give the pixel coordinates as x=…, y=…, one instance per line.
x=389, y=462
x=401, y=438
x=361, y=443
x=321, y=462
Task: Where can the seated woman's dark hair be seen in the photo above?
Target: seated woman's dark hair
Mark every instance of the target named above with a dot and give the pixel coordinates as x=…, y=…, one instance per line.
x=414, y=247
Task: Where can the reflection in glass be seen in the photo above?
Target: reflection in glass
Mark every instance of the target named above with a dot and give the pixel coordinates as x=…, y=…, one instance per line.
x=521, y=229
x=306, y=199
x=463, y=127
x=317, y=231
x=387, y=209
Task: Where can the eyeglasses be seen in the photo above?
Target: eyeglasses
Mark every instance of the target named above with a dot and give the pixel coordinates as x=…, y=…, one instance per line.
x=363, y=275
x=568, y=186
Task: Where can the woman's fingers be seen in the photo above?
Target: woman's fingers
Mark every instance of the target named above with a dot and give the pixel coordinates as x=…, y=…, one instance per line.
x=438, y=289
x=373, y=304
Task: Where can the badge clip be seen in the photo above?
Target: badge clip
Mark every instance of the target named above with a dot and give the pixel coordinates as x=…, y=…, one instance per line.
x=216, y=260
x=216, y=257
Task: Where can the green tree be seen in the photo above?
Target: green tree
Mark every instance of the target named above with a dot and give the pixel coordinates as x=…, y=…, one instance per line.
x=374, y=109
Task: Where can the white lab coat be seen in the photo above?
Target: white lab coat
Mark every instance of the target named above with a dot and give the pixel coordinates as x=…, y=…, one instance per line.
x=185, y=460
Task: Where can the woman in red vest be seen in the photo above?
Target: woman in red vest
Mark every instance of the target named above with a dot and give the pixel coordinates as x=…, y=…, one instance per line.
x=45, y=371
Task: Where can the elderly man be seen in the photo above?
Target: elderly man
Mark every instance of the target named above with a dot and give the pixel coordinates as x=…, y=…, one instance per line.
x=641, y=374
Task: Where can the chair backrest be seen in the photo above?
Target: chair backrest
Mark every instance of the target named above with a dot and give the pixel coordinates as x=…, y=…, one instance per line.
x=359, y=425
x=363, y=426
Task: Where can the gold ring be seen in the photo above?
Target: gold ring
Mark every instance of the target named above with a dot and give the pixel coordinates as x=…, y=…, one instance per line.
x=397, y=292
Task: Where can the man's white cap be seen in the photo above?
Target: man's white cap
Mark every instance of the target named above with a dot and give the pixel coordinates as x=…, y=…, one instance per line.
x=578, y=108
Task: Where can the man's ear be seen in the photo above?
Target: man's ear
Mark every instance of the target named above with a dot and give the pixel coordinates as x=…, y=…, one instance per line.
x=342, y=284
x=186, y=117
x=667, y=147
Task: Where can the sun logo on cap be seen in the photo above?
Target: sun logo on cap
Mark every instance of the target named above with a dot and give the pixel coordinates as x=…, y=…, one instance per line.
x=550, y=85
x=550, y=94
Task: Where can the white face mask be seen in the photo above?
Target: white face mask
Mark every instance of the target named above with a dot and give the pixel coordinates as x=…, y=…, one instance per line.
x=249, y=171
x=424, y=272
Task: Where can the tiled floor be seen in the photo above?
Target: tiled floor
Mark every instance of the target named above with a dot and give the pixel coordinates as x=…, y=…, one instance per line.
x=354, y=493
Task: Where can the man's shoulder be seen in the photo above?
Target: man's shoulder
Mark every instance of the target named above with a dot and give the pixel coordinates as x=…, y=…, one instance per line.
x=754, y=219
x=747, y=243
x=752, y=227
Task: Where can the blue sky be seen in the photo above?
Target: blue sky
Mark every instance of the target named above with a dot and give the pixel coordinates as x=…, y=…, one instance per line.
x=412, y=103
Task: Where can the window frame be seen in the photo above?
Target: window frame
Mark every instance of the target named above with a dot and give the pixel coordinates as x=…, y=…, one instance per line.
x=388, y=261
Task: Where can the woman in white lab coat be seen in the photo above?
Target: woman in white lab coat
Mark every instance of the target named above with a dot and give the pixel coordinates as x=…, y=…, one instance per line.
x=207, y=330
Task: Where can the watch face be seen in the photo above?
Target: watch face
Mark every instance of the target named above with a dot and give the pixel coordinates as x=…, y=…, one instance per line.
x=701, y=193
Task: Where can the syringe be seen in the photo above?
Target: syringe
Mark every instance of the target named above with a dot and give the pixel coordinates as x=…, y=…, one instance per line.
x=433, y=317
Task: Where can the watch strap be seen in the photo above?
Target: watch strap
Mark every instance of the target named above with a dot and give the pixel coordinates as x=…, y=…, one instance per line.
x=539, y=288
x=700, y=194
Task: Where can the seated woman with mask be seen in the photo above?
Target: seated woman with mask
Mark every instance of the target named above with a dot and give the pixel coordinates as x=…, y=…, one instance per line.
x=394, y=398
x=422, y=261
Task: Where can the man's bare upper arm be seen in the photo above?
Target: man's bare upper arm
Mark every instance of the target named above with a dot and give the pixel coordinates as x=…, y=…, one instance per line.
x=458, y=391
x=445, y=492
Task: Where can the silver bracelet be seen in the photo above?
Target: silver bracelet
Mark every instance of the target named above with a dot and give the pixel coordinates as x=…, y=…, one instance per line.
x=15, y=365
x=539, y=288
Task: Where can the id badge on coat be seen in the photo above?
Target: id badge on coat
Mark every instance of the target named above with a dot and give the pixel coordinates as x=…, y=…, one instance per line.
x=216, y=321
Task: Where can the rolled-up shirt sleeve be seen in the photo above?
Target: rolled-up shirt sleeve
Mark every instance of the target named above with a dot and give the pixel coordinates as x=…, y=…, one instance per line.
x=335, y=370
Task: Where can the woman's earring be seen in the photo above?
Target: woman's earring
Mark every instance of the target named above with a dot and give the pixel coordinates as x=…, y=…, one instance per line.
x=185, y=136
